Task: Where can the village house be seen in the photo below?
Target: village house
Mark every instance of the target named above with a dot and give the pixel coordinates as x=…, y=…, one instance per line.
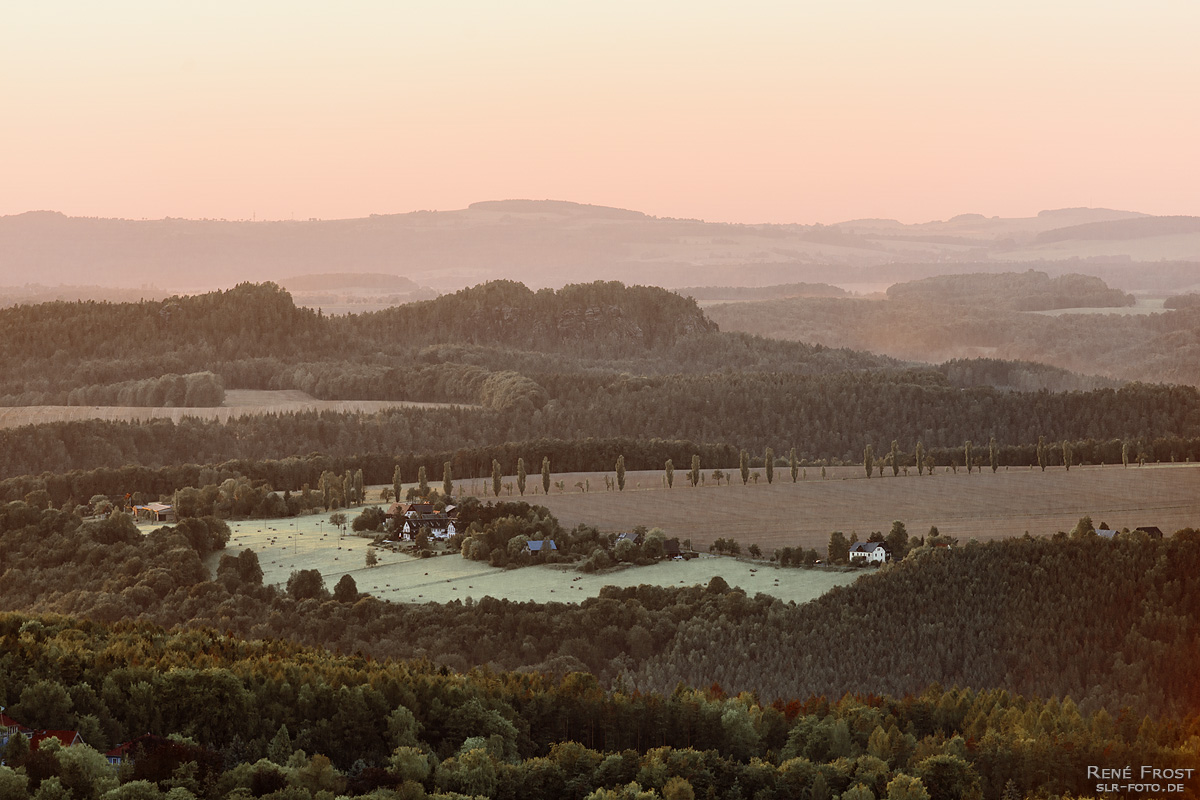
x=540, y=546
x=868, y=553
x=406, y=520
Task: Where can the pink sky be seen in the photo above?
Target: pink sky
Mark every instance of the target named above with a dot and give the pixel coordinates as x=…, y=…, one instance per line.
x=770, y=112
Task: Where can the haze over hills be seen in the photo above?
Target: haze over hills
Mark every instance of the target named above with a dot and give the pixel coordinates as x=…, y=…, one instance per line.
x=552, y=243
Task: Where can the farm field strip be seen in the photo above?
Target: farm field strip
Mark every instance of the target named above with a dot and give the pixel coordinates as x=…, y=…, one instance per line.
x=238, y=403
x=982, y=506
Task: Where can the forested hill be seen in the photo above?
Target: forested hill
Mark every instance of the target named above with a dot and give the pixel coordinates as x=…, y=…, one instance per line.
x=610, y=314
x=254, y=337
x=262, y=320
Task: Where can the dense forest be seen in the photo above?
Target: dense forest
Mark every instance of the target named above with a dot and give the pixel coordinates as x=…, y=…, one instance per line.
x=277, y=720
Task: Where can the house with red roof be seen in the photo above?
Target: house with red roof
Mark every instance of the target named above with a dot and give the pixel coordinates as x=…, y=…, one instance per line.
x=66, y=738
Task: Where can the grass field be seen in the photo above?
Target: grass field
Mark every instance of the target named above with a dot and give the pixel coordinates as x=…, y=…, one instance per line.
x=310, y=542
x=238, y=403
x=980, y=506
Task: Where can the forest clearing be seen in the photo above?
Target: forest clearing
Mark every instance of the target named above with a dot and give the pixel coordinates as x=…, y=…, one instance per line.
x=238, y=403
x=979, y=506
x=310, y=542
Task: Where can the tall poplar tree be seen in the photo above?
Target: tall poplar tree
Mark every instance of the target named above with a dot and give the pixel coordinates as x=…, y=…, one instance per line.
x=545, y=474
x=620, y=473
x=895, y=457
x=670, y=474
x=447, y=480
x=793, y=464
x=397, y=483
x=769, y=460
x=359, y=489
x=869, y=460
x=521, y=476
x=993, y=454
x=1041, y=452
x=695, y=474
x=744, y=466
x=920, y=456
x=967, y=455
x=1068, y=454
x=496, y=477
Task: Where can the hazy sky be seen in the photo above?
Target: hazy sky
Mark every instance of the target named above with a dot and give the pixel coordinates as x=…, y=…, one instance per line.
x=746, y=112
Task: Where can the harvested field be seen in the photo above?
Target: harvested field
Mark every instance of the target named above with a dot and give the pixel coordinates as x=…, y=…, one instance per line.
x=980, y=506
x=238, y=403
x=285, y=545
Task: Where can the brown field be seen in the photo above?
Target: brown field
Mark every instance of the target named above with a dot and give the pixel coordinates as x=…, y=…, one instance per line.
x=979, y=506
x=238, y=403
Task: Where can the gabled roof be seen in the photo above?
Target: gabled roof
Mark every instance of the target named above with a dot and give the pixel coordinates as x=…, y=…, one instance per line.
x=8, y=722
x=1105, y=533
x=67, y=738
x=866, y=547
x=1153, y=530
x=536, y=546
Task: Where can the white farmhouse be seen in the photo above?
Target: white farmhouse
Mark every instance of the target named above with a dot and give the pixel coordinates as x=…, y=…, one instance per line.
x=868, y=552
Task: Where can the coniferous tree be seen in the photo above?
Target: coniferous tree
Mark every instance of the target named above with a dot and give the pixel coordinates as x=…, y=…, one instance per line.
x=521, y=476
x=769, y=461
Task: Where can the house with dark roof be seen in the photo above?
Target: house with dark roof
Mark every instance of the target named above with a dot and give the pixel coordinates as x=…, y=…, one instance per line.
x=628, y=536
x=868, y=553
x=671, y=548
x=409, y=519
x=1153, y=531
